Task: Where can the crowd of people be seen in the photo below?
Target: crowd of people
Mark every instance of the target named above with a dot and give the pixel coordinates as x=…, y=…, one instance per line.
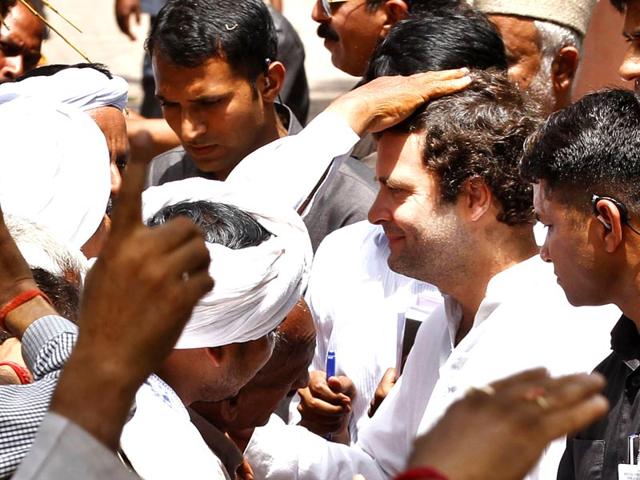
x=414, y=284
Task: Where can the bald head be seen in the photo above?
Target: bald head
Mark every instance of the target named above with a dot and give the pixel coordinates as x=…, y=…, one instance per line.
x=285, y=372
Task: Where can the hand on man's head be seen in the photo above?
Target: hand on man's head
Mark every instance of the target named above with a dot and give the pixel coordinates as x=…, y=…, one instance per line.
x=387, y=101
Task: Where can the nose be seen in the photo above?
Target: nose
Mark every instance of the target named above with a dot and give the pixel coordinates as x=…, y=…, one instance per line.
x=302, y=381
x=379, y=212
x=544, y=251
x=13, y=68
x=318, y=14
x=191, y=127
x=630, y=68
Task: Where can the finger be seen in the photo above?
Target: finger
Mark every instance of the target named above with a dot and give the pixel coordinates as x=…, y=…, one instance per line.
x=319, y=388
x=341, y=384
x=137, y=15
x=190, y=258
x=567, y=391
x=441, y=74
x=197, y=286
x=312, y=406
x=446, y=87
x=389, y=378
x=175, y=233
x=576, y=418
x=128, y=210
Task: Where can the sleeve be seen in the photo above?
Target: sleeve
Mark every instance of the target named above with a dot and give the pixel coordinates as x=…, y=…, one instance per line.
x=47, y=344
x=290, y=168
x=64, y=450
x=286, y=452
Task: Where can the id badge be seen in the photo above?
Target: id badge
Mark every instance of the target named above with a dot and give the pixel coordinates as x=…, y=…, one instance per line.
x=628, y=472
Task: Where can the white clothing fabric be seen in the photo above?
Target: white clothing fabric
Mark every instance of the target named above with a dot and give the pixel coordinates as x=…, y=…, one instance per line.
x=523, y=322
x=83, y=88
x=63, y=450
x=160, y=441
x=355, y=300
x=287, y=170
x=54, y=169
x=256, y=286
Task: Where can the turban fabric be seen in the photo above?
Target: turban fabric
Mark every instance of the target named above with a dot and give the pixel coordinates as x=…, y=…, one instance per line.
x=83, y=88
x=54, y=168
x=255, y=287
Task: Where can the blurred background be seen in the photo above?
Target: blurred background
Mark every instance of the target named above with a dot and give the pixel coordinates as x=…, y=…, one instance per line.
x=103, y=42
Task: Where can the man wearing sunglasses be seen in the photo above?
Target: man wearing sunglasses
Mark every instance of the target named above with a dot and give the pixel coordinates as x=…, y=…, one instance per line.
x=351, y=29
x=585, y=165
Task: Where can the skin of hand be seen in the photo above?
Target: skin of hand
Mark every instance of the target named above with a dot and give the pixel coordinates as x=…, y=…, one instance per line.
x=501, y=436
x=387, y=101
x=387, y=382
x=137, y=298
x=125, y=9
x=325, y=405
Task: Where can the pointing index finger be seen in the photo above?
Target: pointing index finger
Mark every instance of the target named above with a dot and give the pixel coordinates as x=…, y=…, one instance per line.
x=128, y=209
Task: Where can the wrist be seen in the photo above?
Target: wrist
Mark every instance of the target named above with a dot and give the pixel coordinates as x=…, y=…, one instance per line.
x=20, y=311
x=421, y=473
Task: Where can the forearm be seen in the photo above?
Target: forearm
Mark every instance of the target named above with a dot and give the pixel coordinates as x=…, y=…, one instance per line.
x=101, y=384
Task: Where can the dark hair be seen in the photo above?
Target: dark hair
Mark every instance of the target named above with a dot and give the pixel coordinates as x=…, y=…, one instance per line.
x=480, y=132
x=49, y=70
x=619, y=5
x=190, y=32
x=64, y=295
x=221, y=223
x=447, y=39
x=592, y=146
x=417, y=6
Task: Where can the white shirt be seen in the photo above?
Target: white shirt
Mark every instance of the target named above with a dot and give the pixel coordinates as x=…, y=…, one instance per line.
x=160, y=441
x=355, y=300
x=523, y=322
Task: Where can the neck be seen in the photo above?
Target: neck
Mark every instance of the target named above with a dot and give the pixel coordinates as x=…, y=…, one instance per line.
x=172, y=372
x=488, y=261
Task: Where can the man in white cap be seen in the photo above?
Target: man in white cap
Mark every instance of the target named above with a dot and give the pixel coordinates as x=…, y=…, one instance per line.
x=544, y=41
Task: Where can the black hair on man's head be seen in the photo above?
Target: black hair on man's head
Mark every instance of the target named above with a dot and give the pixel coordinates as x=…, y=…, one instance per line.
x=590, y=147
x=190, y=32
x=449, y=38
x=418, y=6
x=64, y=295
x=49, y=70
x=220, y=223
x=479, y=132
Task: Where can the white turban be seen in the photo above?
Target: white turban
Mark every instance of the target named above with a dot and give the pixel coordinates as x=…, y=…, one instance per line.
x=84, y=88
x=54, y=168
x=255, y=287
x=570, y=13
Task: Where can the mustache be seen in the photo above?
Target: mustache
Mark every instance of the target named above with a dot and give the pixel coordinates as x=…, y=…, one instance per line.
x=325, y=31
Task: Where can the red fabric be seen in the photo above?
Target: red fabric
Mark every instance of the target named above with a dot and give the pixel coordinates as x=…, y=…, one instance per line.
x=19, y=300
x=421, y=473
x=23, y=374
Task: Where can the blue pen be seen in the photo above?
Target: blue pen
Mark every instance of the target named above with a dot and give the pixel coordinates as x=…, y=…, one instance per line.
x=331, y=364
x=330, y=372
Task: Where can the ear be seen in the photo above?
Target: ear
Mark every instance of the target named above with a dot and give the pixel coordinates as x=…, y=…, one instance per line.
x=395, y=10
x=477, y=198
x=271, y=83
x=610, y=225
x=563, y=70
x=216, y=355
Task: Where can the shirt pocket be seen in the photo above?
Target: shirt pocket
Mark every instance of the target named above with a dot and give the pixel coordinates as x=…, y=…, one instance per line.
x=588, y=459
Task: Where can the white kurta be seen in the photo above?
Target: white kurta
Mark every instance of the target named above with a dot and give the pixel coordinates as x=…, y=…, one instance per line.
x=161, y=442
x=523, y=322
x=355, y=300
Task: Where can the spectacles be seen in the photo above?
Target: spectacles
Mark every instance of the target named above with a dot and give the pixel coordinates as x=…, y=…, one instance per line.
x=622, y=208
x=326, y=6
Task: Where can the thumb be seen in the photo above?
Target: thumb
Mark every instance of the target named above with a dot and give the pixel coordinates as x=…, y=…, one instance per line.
x=342, y=384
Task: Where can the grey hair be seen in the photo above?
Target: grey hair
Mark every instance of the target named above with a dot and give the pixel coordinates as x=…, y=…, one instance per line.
x=41, y=249
x=553, y=37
